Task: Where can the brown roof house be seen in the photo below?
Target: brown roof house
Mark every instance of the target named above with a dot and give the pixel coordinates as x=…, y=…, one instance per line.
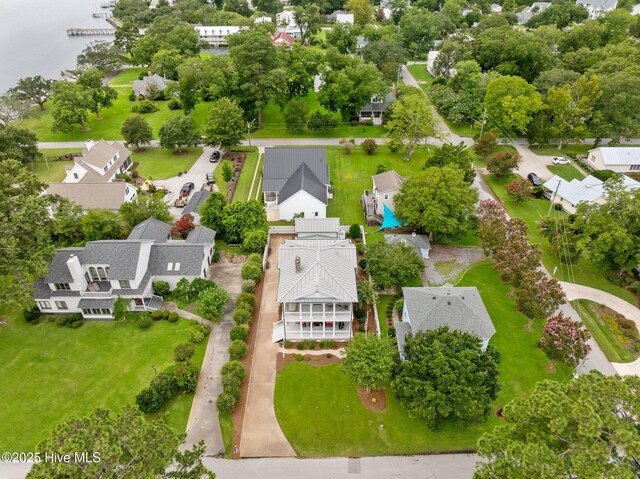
x=91, y=182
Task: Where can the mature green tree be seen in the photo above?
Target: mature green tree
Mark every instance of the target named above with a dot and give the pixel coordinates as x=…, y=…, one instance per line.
x=367, y=294
x=438, y=201
x=268, y=6
x=503, y=163
x=225, y=126
x=520, y=190
x=99, y=224
x=35, y=89
x=212, y=212
x=447, y=375
x=296, y=116
x=144, y=207
x=617, y=113
x=211, y=303
x=126, y=36
x=102, y=96
x=362, y=11
x=538, y=296
x=369, y=360
x=419, y=29
x=136, y=131
x=307, y=18
x=511, y=102
x=127, y=443
x=561, y=14
x=450, y=154
x=240, y=7
x=586, y=427
x=24, y=232
x=260, y=73
x=566, y=116
x=555, y=77
x=18, y=144
x=411, y=121
x=492, y=226
x=485, y=144
x=342, y=37
x=178, y=133
x=242, y=217
x=453, y=50
x=387, y=55
x=302, y=65
x=121, y=306
x=190, y=80
x=13, y=108
x=101, y=55
x=516, y=257
x=392, y=265
x=166, y=62
x=71, y=105
x=66, y=227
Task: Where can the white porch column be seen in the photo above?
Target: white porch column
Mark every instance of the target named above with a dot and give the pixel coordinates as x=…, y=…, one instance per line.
x=334, y=311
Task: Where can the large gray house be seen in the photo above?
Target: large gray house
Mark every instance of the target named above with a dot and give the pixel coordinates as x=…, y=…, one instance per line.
x=295, y=182
x=430, y=308
x=89, y=279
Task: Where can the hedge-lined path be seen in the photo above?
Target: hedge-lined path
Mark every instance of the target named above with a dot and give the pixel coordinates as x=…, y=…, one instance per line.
x=203, y=424
x=261, y=433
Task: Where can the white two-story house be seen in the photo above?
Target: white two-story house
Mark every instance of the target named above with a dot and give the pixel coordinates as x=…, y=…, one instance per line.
x=89, y=279
x=91, y=182
x=316, y=289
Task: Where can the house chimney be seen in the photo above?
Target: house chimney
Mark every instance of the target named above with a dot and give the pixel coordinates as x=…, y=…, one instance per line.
x=89, y=144
x=298, y=264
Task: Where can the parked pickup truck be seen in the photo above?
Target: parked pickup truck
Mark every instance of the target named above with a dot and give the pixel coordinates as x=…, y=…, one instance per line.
x=210, y=179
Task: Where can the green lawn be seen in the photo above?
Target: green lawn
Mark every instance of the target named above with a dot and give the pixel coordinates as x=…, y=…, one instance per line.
x=568, y=172
x=533, y=210
x=49, y=170
x=351, y=175
x=49, y=372
x=321, y=415
x=602, y=334
x=217, y=174
x=160, y=164
x=420, y=73
x=273, y=125
x=244, y=191
x=126, y=77
x=226, y=427
x=381, y=307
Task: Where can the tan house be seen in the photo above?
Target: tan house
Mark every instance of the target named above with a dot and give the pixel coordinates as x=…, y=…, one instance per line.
x=385, y=187
x=619, y=159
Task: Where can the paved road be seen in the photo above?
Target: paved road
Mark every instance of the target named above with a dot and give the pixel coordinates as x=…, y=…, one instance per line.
x=203, y=422
x=261, y=433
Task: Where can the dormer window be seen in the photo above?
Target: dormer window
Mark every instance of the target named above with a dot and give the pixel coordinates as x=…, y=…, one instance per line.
x=62, y=286
x=176, y=267
x=170, y=267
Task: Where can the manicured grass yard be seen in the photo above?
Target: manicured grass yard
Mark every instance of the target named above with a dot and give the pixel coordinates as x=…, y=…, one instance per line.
x=613, y=349
x=127, y=77
x=381, y=307
x=160, y=164
x=217, y=174
x=351, y=175
x=320, y=413
x=533, y=210
x=226, y=427
x=243, y=190
x=420, y=73
x=568, y=172
x=49, y=372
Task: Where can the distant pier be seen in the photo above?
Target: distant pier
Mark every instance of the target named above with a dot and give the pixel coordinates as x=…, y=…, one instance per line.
x=102, y=15
x=88, y=32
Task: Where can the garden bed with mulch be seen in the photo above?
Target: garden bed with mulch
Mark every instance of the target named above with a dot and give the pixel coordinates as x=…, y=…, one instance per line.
x=237, y=158
x=375, y=400
x=321, y=360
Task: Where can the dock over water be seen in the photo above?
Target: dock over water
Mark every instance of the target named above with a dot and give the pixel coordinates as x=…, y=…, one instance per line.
x=86, y=32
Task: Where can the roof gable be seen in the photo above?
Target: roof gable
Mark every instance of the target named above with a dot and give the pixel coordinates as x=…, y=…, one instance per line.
x=151, y=228
x=303, y=179
x=281, y=163
x=388, y=181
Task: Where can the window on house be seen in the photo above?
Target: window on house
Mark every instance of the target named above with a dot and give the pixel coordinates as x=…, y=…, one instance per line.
x=386, y=197
x=62, y=286
x=170, y=267
x=176, y=267
x=125, y=284
x=126, y=190
x=106, y=168
x=75, y=175
x=635, y=167
x=94, y=274
x=44, y=304
x=102, y=274
x=61, y=305
x=593, y=158
x=315, y=213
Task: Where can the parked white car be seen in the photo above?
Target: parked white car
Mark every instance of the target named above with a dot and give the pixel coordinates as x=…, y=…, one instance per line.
x=560, y=160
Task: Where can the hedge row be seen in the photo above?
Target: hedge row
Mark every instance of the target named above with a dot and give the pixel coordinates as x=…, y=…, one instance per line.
x=178, y=377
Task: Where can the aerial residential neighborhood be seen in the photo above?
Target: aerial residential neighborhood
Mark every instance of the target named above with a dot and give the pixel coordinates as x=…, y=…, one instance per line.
x=305, y=240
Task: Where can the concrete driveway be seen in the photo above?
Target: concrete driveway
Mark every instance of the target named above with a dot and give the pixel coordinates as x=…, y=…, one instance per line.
x=196, y=174
x=532, y=163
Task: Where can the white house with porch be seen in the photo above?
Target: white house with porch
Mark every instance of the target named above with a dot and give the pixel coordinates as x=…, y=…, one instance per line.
x=316, y=290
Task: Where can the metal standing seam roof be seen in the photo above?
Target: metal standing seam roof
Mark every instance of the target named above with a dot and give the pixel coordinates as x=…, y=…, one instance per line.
x=587, y=190
x=387, y=181
x=458, y=308
x=303, y=179
x=317, y=225
x=328, y=271
x=418, y=241
x=622, y=155
x=201, y=235
x=281, y=163
x=151, y=229
x=189, y=256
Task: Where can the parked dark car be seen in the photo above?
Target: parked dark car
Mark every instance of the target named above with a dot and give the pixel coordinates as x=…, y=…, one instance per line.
x=186, y=189
x=215, y=156
x=533, y=178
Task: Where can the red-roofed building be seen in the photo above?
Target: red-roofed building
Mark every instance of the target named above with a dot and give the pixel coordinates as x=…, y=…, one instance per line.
x=282, y=39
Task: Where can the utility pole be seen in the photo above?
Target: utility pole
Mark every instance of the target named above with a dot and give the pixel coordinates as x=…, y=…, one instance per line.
x=249, y=125
x=484, y=114
x=552, y=198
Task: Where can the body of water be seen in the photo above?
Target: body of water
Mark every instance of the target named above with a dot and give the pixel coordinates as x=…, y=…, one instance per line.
x=33, y=36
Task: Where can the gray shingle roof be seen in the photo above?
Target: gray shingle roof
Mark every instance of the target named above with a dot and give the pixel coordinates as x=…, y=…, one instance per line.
x=58, y=270
x=418, y=242
x=196, y=199
x=96, y=303
x=328, y=271
x=201, y=235
x=151, y=229
x=121, y=256
x=281, y=163
x=379, y=106
x=388, y=181
x=459, y=308
x=303, y=179
x=189, y=256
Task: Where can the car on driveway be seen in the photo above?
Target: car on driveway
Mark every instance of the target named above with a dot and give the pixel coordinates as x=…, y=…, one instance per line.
x=215, y=157
x=210, y=179
x=560, y=160
x=533, y=178
x=186, y=189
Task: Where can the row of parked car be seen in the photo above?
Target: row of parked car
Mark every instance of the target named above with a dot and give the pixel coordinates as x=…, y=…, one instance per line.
x=557, y=160
x=188, y=187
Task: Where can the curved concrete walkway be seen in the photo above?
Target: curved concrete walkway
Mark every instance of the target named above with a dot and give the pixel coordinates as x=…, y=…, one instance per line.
x=261, y=433
x=577, y=291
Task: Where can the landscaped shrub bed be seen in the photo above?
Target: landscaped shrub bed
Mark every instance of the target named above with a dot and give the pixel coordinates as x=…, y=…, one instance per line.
x=233, y=375
x=169, y=382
